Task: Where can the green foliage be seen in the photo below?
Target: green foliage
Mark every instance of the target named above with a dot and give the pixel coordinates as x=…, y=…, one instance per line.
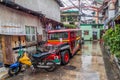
x=70, y=26
x=112, y=39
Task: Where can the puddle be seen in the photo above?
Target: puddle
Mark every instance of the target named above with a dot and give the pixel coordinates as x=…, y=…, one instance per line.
x=69, y=67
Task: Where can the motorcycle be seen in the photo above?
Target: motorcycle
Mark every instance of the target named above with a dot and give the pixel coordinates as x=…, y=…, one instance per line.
x=39, y=60
x=20, y=65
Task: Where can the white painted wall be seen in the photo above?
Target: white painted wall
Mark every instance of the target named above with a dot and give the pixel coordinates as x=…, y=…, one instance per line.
x=10, y=17
x=111, y=14
x=48, y=7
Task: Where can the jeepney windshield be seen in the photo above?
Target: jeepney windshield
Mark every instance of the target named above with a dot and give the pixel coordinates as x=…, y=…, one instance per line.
x=57, y=36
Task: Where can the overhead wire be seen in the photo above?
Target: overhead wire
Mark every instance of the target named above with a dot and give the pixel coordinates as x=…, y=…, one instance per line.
x=82, y=13
x=64, y=3
x=77, y=8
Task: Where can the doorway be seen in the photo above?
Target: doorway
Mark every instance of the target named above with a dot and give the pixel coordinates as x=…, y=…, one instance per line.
x=94, y=35
x=8, y=50
x=1, y=55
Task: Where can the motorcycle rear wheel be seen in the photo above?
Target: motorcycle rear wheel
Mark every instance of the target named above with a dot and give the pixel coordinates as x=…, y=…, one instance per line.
x=52, y=66
x=14, y=71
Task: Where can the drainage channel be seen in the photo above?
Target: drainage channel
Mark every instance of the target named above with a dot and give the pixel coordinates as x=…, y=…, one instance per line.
x=111, y=69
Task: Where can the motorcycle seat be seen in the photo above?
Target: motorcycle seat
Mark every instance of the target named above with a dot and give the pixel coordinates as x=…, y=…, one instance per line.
x=40, y=55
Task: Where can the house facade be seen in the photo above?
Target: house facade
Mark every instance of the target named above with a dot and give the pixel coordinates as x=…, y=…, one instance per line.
x=23, y=23
x=110, y=11
x=91, y=31
x=70, y=17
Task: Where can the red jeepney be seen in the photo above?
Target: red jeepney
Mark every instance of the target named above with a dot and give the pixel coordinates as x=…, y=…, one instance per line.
x=63, y=44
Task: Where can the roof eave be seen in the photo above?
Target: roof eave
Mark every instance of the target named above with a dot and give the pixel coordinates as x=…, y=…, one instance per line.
x=60, y=3
x=16, y=6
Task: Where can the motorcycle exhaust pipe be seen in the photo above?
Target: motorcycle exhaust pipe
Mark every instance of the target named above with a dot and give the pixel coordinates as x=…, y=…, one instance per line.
x=43, y=66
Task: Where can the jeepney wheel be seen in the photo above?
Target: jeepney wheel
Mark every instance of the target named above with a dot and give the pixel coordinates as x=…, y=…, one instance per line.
x=65, y=57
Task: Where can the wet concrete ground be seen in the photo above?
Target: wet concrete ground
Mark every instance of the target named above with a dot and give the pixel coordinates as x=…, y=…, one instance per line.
x=87, y=64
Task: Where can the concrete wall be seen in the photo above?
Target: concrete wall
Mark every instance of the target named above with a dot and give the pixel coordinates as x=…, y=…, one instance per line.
x=48, y=7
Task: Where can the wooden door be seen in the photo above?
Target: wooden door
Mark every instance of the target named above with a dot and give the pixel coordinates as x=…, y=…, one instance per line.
x=1, y=55
x=8, y=50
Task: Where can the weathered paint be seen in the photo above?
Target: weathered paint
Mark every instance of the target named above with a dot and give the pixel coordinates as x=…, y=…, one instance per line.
x=17, y=20
x=50, y=8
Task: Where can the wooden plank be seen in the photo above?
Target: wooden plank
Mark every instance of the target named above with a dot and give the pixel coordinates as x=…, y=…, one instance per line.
x=3, y=49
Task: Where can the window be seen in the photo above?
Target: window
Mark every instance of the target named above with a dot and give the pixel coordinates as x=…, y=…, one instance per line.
x=70, y=18
x=72, y=23
x=86, y=32
x=75, y=19
x=30, y=33
x=57, y=36
x=63, y=18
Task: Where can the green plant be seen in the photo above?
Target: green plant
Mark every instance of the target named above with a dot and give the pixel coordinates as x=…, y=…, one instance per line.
x=70, y=26
x=112, y=39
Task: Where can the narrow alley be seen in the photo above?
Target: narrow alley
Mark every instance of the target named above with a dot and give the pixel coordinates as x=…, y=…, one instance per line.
x=59, y=39
x=87, y=64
